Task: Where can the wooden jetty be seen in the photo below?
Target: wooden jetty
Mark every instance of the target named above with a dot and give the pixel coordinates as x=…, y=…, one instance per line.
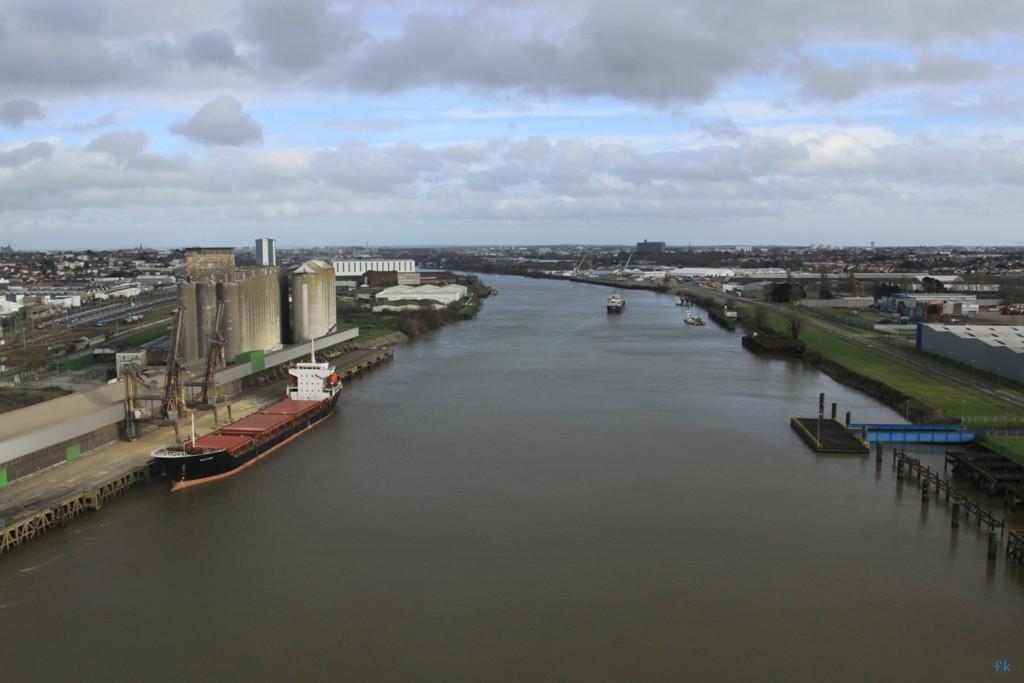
x=1015, y=546
x=987, y=470
x=57, y=512
x=927, y=480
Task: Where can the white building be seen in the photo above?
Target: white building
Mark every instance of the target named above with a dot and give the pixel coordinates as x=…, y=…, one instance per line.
x=998, y=349
x=718, y=273
x=357, y=267
x=266, y=251
x=441, y=295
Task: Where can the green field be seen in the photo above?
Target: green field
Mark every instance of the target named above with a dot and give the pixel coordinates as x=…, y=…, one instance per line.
x=953, y=400
x=1011, y=447
x=370, y=325
x=147, y=335
x=12, y=398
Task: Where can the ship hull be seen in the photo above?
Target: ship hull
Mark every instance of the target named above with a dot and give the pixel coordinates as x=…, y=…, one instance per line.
x=202, y=468
x=615, y=309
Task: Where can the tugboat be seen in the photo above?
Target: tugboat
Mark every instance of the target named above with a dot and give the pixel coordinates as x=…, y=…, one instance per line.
x=311, y=395
x=616, y=303
x=692, y=319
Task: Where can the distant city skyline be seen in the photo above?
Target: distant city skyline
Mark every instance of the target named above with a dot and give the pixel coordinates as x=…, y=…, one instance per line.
x=522, y=123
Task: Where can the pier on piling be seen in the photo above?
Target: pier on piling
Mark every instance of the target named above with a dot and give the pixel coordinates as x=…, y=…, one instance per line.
x=829, y=435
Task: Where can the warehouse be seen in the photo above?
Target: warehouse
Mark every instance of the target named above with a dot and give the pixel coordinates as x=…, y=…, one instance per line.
x=998, y=349
x=442, y=295
x=356, y=267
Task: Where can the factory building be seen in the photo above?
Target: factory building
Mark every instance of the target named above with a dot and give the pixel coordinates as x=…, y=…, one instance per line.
x=266, y=251
x=998, y=349
x=918, y=306
x=441, y=295
x=646, y=248
x=353, y=268
x=252, y=298
x=314, y=308
x=212, y=261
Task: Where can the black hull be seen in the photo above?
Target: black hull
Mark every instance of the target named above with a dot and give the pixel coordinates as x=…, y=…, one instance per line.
x=615, y=309
x=220, y=463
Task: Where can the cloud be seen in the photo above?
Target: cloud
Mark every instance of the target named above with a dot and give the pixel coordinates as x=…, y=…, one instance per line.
x=19, y=156
x=102, y=121
x=822, y=79
x=15, y=113
x=220, y=122
x=300, y=34
x=212, y=48
x=661, y=52
x=121, y=145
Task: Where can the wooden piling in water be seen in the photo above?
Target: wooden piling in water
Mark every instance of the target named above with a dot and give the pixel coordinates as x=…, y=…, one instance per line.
x=955, y=521
x=993, y=545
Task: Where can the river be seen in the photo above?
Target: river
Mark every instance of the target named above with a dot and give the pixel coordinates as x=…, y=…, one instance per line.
x=544, y=493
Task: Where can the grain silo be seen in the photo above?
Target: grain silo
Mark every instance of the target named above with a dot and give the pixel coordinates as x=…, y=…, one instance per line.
x=314, y=311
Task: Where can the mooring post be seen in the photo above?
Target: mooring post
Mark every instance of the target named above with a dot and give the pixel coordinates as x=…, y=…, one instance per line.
x=847, y=418
x=993, y=545
x=924, y=493
x=955, y=522
x=878, y=452
x=899, y=471
x=834, y=408
x=821, y=414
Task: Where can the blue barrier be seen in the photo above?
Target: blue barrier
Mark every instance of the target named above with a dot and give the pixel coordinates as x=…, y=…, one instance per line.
x=900, y=433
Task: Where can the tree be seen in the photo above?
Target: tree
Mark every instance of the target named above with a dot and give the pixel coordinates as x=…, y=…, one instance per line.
x=932, y=286
x=796, y=323
x=786, y=293
x=884, y=289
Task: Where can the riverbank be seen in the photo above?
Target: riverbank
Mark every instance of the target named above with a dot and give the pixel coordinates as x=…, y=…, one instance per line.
x=920, y=397
x=412, y=324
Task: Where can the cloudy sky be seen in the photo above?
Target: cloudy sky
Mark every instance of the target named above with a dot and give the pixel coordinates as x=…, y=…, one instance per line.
x=514, y=122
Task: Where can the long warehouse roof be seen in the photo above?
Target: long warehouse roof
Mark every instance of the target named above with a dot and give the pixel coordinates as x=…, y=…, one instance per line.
x=1007, y=336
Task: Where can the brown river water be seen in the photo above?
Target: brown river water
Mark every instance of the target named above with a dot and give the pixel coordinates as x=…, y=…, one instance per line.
x=545, y=493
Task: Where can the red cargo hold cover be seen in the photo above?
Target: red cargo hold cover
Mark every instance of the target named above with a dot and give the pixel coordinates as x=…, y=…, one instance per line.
x=289, y=407
x=228, y=442
x=256, y=424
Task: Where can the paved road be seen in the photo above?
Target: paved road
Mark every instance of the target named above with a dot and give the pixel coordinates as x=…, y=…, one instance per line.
x=888, y=348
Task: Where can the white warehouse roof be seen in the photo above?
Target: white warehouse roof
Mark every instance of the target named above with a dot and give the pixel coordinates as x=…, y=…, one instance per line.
x=1006, y=336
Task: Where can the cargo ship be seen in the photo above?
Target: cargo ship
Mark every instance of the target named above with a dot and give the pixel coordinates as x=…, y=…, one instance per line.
x=310, y=398
x=616, y=303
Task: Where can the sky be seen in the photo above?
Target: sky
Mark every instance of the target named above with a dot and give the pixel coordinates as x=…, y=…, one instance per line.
x=212, y=122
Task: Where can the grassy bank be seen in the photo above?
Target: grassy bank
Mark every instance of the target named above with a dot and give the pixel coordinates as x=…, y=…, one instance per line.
x=12, y=398
x=925, y=398
x=1011, y=447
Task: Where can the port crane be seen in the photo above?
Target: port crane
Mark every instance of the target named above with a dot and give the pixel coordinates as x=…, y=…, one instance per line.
x=210, y=392
x=622, y=269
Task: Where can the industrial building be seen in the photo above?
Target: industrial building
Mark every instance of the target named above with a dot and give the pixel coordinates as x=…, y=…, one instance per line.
x=314, y=308
x=253, y=300
x=266, y=251
x=357, y=267
x=918, y=306
x=448, y=294
x=646, y=248
x=68, y=427
x=998, y=349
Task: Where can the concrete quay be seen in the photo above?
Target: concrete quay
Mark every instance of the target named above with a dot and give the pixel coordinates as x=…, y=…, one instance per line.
x=49, y=498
